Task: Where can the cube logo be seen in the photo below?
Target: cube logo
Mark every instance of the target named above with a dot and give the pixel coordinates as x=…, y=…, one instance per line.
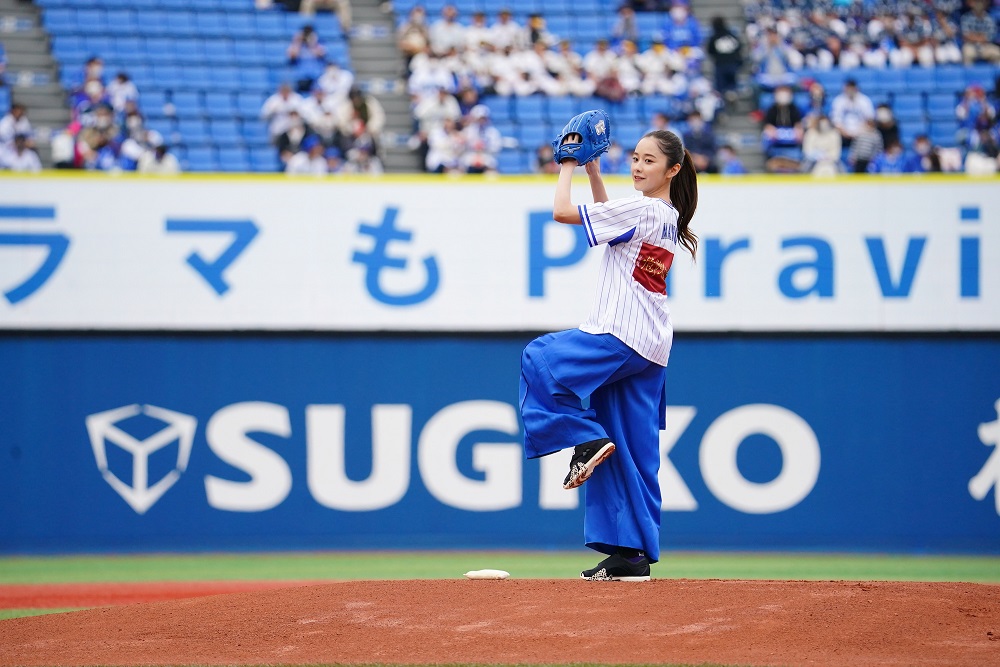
x=141, y=492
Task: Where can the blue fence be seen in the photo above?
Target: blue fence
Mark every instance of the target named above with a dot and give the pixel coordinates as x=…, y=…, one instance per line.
x=304, y=442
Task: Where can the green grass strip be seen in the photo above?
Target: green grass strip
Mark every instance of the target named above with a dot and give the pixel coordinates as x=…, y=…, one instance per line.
x=451, y=565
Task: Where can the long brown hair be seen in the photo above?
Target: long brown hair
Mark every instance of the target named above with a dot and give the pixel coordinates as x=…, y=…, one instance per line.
x=683, y=186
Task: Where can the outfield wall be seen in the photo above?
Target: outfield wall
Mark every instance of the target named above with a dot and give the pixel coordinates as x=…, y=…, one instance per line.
x=262, y=364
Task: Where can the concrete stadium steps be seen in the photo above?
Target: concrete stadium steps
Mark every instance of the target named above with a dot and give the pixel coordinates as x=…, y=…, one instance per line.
x=378, y=68
x=32, y=73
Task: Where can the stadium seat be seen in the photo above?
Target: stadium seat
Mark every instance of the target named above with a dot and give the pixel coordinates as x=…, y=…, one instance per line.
x=225, y=132
x=271, y=25
x=983, y=74
x=264, y=159
x=248, y=104
x=218, y=52
x=190, y=51
x=211, y=24
x=949, y=79
x=941, y=106
x=91, y=21
x=561, y=109
x=890, y=81
x=122, y=22
x=500, y=107
x=920, y=79
x=908, y=106
x=187, y=104
x=510, y=161
x=193, y=131
x=219, y=104
x=60, y=21
x=532, y=109
x=240, y=25
x=234, y=159
x=201, y=158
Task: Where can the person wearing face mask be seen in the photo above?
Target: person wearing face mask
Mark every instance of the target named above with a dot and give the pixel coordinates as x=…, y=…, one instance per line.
x=682, y=31
x=924, y=157
x=886, y=123
x=699, y=140
x=821, y=147
x=850, y=112
x=782, y=133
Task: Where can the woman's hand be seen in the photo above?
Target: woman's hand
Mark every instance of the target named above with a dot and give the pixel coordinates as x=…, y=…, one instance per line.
x=593, y=168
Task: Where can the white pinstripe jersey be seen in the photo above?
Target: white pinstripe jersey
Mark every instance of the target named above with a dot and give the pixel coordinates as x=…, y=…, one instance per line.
x=631, y=301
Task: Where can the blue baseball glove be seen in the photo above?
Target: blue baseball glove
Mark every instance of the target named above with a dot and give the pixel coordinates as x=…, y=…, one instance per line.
x=594, y=128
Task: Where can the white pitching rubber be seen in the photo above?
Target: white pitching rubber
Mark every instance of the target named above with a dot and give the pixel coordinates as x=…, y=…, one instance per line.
x=487, y=574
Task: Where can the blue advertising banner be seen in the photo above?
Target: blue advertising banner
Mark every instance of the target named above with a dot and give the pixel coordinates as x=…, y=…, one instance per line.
x=194, y=442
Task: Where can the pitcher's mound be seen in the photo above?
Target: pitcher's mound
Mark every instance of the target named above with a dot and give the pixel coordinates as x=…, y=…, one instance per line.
x=532, y=622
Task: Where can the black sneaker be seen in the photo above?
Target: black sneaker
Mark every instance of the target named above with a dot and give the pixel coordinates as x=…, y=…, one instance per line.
x=618, y=568
x=586, y=457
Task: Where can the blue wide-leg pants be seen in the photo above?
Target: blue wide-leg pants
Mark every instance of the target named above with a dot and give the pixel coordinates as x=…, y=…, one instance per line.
x=559, y=371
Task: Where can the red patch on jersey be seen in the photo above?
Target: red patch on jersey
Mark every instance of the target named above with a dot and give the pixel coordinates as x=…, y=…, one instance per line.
x=651, y=267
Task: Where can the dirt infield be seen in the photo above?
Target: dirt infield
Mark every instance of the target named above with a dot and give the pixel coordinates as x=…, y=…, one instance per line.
x=532, y=622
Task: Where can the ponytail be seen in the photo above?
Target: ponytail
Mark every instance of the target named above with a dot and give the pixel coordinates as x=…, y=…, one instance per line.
x=684, y=196
x=683, y=186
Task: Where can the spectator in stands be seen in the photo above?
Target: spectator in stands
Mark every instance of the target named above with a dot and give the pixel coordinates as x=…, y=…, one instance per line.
x=914, y=34
x=428, y=75
x=850, y=112
x=159, y=160
x=545, y=160
x=971, y=110
x=93, y=70
x=309, y=160
x=782, y=133
x=682, y=33
x=659, y=121
x=865, y=146
x=625, y=28
x=468, y=98
x=729, y=162
x=892, y=160
x=342, y=8
x=979, y=33
x=19, y=156
x=413, y=36
x=95, y=145
x=121, y=91
x=334, y=160
x=360, y=120
x=308, y=55
x=289, y=141
x=361, y=159
x=566, y=62
x=599, y=63
x=821, y=147
x=662, y=71
x=984, y=148
x=15, y=123
x=925, y=155
x=335, y=81
x=887, y=126
x=445, y=146
x=538, y=31
x=775, y=63
x=278, y=108
x=86, y=100
x=320, y=113
x=447, y=33
x=944, y=40
x=699, y=139
x=507, y=32
x=477, y=34
x=432, y=113
x=816, y=104
x=726, y=51
x=482, y=142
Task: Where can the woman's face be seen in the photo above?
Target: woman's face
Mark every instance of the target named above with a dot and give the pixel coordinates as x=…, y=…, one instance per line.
x=649, y=166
